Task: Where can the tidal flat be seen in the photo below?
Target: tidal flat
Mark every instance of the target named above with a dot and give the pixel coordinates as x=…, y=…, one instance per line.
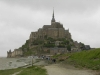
x=10, y=63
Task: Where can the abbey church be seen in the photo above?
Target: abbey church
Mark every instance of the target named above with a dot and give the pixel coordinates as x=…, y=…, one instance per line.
x=55, y=30
x=50, y=39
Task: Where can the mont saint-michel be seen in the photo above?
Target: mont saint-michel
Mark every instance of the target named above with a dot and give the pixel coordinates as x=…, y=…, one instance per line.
x=50, y=39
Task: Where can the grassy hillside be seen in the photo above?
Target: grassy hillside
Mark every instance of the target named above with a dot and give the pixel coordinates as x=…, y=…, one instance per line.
x=89, y=59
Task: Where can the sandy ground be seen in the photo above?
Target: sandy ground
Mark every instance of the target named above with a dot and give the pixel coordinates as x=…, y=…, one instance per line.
x=58, y=69
x=55, y=69
x=61, y=69
x=10, y=63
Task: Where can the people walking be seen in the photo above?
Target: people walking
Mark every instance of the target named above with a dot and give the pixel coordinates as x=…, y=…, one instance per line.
x=54, y=60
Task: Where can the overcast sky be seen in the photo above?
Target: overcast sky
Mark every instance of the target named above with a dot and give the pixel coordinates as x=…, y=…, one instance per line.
x=18, y=18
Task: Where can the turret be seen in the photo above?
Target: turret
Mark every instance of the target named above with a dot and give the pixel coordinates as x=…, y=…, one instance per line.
x=9, y=53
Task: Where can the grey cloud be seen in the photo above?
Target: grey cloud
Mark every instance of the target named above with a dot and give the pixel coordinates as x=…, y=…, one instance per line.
x=67, y=5
x=18, y=18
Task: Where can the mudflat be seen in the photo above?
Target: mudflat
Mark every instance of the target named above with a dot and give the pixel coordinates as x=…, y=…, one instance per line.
x=9, y=63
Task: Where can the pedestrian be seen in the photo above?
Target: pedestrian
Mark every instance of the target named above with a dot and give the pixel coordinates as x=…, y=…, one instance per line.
x=54, y=60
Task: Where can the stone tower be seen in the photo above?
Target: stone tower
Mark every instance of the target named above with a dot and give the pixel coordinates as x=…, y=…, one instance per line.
x=9, y=54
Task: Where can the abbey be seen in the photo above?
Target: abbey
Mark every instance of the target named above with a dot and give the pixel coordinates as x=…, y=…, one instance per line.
x=50, y=39
x=55, y=30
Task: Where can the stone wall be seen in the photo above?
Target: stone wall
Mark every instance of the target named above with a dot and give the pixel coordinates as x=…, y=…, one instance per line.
x=55, y=50
x=58, y=50
x=67, y=34
x=15, y=53
x=55, y=30
x=9, y=54
x=52, y=32
x=33, y=36
x=61, y=33
x=56, y=25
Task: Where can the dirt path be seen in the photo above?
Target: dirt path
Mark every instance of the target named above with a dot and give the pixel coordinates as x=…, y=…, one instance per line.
x=58, y=70
x=16, y=73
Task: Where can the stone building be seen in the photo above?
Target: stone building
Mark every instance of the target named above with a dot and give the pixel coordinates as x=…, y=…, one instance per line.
x=55, y=30
x=57, y=50
x=87, y=47
x=15, y=53
x=9, y=54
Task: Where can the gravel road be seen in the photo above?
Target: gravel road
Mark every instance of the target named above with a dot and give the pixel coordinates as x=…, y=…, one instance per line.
x=57, y=70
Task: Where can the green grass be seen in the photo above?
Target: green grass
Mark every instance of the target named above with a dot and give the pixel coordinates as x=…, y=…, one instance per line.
x=9, y=71
x=33, y=70
x=87, y=58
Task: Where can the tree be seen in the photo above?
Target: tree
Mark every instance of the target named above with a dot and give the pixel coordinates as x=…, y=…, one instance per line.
x=69, y=48
x=37, y=42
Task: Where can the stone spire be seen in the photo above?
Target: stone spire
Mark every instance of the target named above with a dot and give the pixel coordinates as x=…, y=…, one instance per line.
x=53, y=17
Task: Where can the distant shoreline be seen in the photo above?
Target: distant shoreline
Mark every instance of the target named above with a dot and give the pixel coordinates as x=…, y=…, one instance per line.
x=3, y=57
